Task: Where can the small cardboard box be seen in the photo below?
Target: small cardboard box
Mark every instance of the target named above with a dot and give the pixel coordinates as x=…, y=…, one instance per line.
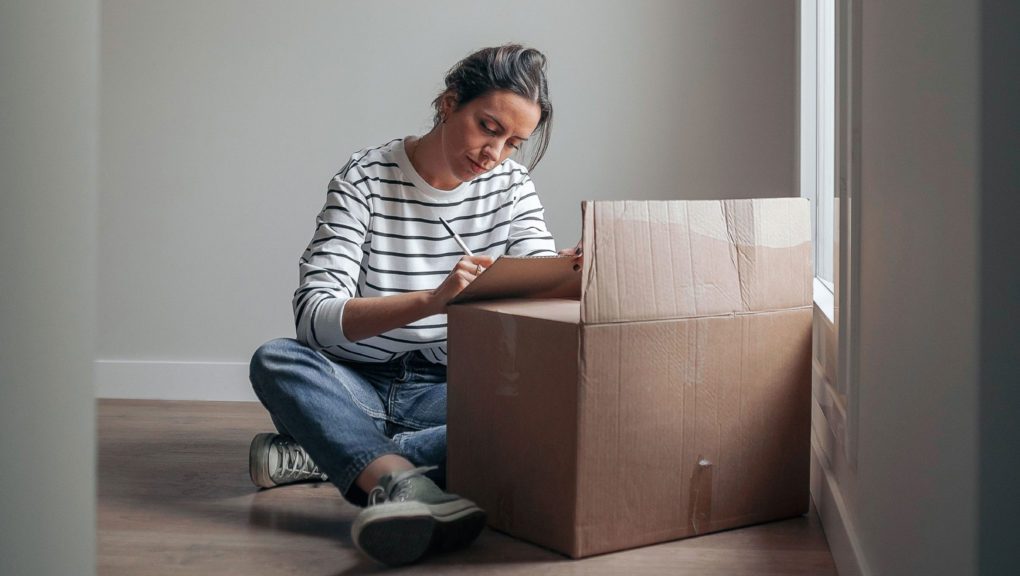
x=672, y=399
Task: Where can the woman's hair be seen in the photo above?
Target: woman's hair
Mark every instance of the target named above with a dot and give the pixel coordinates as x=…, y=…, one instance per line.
x=509, y=67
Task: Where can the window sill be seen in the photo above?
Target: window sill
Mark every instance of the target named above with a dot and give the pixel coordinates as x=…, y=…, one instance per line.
x=825, y=300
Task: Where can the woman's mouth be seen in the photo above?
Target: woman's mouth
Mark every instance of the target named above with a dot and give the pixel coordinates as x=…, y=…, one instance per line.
x=476, y=167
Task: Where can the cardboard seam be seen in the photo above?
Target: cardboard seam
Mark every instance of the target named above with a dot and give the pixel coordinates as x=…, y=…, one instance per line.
x=618, y=294
x=651, y=250
x=732, y=238
x=731, y=231
x=590, y=259
x=690, y=254
x=724, y=315
x=670, y=241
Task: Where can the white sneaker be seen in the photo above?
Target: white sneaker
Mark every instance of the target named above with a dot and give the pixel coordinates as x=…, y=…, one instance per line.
x=275, y=459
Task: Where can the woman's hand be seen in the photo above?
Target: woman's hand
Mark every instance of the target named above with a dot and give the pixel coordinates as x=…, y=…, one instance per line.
x=576, y=251
x=466, y=270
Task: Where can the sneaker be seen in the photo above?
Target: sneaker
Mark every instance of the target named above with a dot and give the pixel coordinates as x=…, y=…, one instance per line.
x=275, y=459
x=408, y=516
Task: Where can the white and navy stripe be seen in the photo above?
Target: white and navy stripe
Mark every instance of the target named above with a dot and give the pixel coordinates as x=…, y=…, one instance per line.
x=379, y=234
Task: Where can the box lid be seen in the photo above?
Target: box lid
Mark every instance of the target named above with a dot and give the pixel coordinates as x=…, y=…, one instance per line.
x=653, y=260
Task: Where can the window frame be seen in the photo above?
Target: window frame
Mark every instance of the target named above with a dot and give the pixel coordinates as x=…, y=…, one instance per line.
x=837, y=299
x=847, y=209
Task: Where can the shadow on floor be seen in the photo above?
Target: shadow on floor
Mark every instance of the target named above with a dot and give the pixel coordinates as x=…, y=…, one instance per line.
x=204, y=482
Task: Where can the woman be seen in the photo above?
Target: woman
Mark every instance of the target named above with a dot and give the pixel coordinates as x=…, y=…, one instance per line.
x=362, y=391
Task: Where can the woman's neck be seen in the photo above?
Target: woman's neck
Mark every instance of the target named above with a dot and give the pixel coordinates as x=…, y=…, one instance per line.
x=427, y=159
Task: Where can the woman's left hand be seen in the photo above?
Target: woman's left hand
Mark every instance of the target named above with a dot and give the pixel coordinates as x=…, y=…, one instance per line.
x=576, y=252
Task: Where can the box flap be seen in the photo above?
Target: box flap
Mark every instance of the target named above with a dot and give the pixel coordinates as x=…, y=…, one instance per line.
x=655, y=260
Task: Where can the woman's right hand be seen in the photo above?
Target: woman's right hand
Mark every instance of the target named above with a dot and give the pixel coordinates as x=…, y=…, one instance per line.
x=467, y=269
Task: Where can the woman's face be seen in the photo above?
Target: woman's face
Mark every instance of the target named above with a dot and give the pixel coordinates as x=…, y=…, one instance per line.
x=481, y=134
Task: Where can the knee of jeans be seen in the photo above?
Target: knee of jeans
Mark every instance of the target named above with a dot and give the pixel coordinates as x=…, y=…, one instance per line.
x=267, y=359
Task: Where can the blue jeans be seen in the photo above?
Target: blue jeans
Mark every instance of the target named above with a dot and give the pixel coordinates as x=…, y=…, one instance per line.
x=345, y=415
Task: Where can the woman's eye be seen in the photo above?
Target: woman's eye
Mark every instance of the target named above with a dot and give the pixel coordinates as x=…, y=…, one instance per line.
x=488, y=128
x=514, y=146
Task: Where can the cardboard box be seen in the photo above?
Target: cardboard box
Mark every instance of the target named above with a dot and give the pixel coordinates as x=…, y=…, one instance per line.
x=672, y=399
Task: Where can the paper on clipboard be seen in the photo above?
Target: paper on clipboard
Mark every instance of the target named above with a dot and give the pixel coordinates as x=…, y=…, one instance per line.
x=525, y=277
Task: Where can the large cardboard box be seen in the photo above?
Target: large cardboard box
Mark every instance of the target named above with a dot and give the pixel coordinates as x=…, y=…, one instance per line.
x=672, y=399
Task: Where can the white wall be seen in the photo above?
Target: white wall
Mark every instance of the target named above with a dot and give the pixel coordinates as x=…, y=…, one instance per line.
x=914, y=502
x=222, y=123
x=49, y=63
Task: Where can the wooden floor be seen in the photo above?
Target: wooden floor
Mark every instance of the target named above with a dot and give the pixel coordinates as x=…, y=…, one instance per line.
x=175, y=498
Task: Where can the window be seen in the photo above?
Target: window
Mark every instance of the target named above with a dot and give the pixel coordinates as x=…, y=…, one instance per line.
x=830, y=43
x=818, y=129
x=829, y=153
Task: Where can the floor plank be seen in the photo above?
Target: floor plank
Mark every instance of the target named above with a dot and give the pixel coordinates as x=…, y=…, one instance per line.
x=175, y=499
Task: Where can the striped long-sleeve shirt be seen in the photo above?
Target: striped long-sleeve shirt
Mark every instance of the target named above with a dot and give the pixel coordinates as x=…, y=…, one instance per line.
x=379, y=234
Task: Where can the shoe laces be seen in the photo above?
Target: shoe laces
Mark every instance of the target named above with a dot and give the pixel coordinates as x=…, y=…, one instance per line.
x=389, y=492
x=294, y=463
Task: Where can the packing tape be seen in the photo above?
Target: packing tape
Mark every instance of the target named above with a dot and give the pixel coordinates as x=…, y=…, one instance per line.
x=699, y=503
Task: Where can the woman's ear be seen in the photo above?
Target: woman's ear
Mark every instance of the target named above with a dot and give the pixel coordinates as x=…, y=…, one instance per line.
x=447, y=105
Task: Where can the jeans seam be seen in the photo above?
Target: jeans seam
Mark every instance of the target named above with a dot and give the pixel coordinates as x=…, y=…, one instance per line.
x=371, y=412
x=367, y=410
x=412, y=423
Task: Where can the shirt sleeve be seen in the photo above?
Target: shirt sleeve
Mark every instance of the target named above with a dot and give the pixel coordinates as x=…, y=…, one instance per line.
x=330, y=266
x=528, y=234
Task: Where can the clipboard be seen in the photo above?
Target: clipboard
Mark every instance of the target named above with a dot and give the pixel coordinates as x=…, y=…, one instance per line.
x=525, y=277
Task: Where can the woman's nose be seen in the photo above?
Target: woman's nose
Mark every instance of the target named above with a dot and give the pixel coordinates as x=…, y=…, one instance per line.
x=492, y=151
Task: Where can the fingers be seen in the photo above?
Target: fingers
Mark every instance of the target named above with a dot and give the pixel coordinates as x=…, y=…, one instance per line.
x=577, y=252
x=468, y=266
x=481, y=260
x=467, y=269
x=463, y=274
x=474, y=265
x=464, y=277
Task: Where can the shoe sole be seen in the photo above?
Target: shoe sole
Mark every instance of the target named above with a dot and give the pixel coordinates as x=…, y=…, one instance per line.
x=258, y=466
x=399, y=533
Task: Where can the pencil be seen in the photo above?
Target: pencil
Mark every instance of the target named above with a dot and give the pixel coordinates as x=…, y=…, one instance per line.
x=460, y=242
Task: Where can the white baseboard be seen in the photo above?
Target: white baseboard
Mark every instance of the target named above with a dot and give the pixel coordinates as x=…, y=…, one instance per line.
x=836, y=523
x=161, y=380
